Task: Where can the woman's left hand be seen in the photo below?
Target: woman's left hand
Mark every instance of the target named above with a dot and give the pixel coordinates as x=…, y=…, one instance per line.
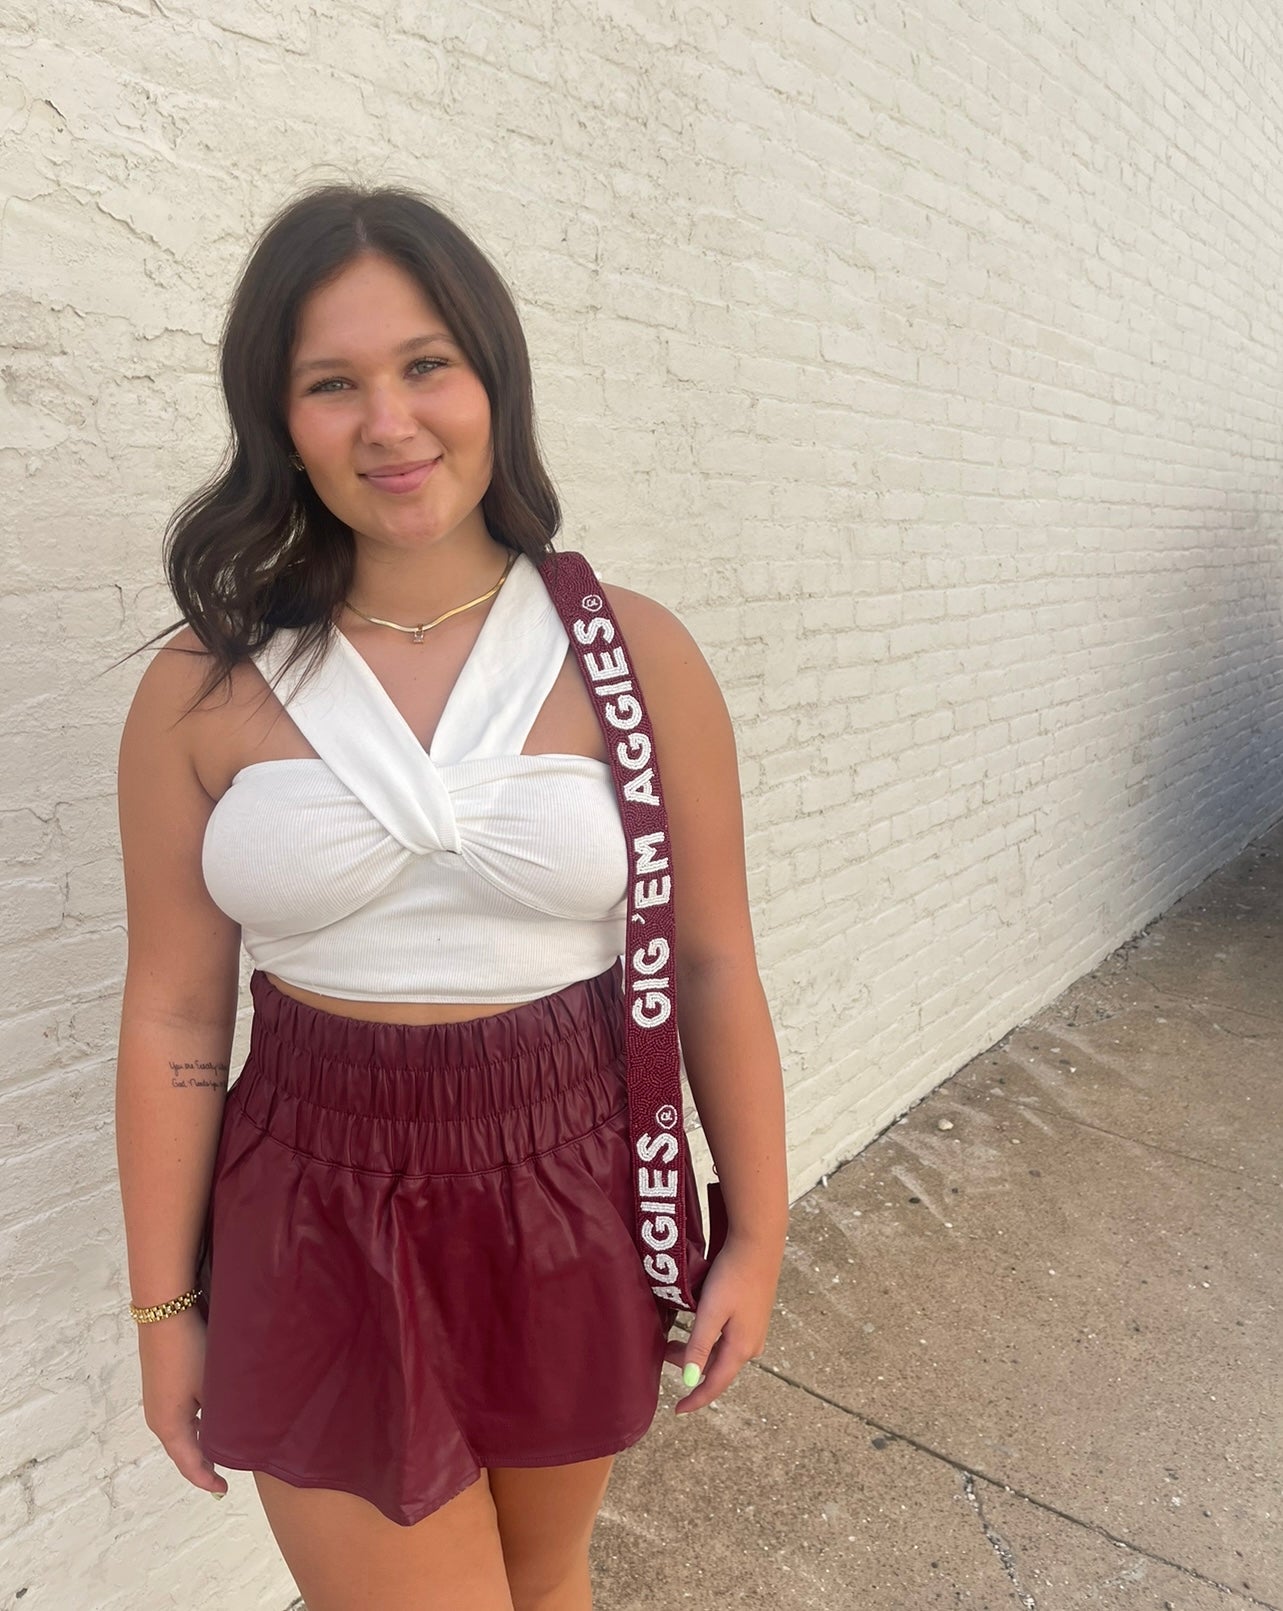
x=731, y=1320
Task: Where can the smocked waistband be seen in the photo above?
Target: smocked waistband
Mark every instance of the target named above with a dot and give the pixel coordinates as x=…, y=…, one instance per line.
x=471, y=1042
x=553, y=1064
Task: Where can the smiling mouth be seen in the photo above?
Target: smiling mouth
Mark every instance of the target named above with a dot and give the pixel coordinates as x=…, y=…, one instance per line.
x=401, y=477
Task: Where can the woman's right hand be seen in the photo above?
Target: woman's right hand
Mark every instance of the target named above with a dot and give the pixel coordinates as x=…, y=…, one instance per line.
x=172, y=1355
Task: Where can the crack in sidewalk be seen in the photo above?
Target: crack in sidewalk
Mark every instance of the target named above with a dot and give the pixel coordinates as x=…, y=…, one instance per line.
x=1202, y=1004
x=1123, y=1135
x=970, y=1476
x=1001, y=1547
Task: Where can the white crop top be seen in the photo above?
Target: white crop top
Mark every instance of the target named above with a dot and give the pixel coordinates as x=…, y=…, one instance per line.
x=465, y=872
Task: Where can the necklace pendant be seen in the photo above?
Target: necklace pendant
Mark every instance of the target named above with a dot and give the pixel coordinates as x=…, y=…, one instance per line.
x=417, y=635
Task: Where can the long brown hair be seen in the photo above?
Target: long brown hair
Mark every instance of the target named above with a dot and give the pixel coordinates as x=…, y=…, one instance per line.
x=255, y=548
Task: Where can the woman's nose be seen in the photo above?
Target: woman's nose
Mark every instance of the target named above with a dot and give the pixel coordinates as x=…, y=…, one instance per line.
x=388, y=417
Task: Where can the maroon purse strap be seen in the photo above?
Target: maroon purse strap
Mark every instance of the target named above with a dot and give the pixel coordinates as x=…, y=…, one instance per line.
x=649, y=968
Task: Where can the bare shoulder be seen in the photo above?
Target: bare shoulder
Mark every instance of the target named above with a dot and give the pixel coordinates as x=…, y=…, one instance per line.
x=173, y=692
x=639, y=614
x=176, y=714
x=171, y=684
x=679, y=685
x=662, y=647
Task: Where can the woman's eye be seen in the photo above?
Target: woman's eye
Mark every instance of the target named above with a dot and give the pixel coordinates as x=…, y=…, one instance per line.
x=420, y=366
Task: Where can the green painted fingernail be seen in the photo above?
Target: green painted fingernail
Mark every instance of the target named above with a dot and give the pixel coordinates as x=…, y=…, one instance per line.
x=692, y=1375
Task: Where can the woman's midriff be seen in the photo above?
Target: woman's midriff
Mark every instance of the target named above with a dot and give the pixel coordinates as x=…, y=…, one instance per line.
x=394, y=1012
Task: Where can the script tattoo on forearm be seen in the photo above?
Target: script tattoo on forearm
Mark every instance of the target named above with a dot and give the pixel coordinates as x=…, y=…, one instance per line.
x=190, y=1075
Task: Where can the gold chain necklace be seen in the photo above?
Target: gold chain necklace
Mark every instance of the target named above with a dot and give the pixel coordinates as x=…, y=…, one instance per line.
x=416, y=632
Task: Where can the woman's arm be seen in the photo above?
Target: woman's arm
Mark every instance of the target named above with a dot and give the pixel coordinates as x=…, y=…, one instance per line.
x=177, y=1022
x=728, y=1043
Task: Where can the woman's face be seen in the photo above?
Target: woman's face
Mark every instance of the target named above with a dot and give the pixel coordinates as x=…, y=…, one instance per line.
x=391, y=421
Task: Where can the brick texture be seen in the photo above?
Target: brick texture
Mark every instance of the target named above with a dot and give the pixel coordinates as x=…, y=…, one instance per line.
x=924, y=355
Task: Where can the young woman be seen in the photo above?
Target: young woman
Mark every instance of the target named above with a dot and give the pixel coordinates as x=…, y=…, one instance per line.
x=393, y=1273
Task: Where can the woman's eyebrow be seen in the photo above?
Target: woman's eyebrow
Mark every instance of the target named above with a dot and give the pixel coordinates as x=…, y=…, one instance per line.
x=406, y=346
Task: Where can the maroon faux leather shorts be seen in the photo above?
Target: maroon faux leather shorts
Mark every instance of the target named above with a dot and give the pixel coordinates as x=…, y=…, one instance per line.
x=419, y=1258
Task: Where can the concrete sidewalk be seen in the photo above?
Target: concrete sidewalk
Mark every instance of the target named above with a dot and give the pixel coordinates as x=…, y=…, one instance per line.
x=1031, y=1358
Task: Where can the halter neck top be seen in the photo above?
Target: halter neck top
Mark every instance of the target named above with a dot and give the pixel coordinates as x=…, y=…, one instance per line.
x=463, y=872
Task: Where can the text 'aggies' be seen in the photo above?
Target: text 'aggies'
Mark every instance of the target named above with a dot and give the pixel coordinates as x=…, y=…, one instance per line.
x=611, y=679
x=657, y=1156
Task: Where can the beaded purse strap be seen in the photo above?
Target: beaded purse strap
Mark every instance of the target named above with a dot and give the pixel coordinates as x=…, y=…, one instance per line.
x=657, y=1136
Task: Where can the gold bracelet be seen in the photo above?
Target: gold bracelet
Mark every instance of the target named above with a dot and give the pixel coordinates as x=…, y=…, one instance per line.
x=162, y=1311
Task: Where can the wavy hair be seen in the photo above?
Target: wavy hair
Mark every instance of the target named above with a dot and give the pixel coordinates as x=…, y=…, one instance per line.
x=255, y=548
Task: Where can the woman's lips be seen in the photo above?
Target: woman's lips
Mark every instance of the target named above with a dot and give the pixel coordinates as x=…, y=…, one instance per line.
x=401, y=480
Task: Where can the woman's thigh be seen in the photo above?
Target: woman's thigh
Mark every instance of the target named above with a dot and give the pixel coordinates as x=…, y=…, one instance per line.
x=345, y=1555
x=545, y=1516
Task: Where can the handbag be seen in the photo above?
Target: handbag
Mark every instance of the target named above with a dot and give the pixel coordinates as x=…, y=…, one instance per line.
x=656, y=1133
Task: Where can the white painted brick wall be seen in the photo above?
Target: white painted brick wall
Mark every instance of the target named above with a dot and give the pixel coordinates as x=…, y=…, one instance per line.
x=924, y=354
